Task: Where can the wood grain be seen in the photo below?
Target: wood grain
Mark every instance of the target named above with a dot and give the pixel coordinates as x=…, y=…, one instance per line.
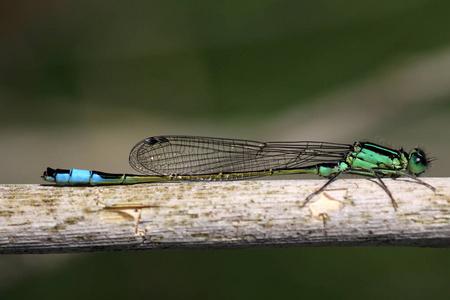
x=207, y=215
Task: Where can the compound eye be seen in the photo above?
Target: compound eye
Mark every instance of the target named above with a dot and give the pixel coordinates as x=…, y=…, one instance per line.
x=417, y=163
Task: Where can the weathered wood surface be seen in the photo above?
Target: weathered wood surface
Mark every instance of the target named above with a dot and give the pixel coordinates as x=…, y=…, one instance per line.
x=207, y=215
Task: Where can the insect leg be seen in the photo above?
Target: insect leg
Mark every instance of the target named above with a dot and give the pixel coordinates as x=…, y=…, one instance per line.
x=322, y=188
x=417, y=180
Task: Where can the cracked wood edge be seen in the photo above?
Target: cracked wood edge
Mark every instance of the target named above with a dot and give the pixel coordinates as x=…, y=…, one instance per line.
x=211, y=215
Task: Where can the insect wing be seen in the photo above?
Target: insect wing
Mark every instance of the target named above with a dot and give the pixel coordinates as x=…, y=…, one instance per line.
x=187, y=155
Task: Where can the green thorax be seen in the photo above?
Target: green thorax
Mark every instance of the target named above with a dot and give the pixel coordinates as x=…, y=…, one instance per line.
x=372, y=156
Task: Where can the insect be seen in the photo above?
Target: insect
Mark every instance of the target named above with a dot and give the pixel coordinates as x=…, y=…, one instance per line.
x=170, y=158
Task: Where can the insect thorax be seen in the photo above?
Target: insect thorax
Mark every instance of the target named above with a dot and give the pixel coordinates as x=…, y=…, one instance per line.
x=372, y=156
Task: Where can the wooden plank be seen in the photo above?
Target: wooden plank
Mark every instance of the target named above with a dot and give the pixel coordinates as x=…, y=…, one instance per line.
x=207, y=215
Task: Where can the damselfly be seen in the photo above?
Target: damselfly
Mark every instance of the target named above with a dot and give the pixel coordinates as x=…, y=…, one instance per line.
x=170, y=158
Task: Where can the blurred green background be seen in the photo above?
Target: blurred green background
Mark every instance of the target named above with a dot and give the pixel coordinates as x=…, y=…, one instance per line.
x=81, y=82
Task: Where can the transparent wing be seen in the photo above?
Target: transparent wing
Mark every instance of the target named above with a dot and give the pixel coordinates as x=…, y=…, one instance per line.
x=192, y=155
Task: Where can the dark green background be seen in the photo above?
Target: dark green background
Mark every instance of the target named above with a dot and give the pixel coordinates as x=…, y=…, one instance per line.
x=81, y=82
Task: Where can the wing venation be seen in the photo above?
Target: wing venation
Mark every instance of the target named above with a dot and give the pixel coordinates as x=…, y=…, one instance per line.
x=188, y=155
